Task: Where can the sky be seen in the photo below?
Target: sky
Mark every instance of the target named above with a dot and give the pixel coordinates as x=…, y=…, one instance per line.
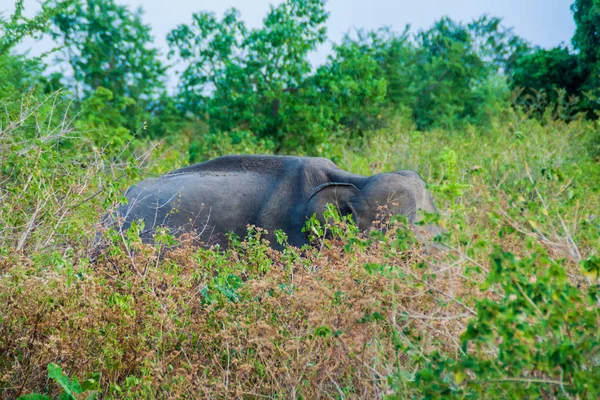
x=546, y=23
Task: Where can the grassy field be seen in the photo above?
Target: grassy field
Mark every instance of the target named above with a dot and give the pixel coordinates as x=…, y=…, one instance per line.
x=509, y=310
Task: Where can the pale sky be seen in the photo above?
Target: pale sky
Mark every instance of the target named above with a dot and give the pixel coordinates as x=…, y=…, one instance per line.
x=547, y=23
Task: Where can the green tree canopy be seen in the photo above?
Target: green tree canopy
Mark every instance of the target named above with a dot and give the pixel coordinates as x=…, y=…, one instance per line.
x=587, y=33
x=587, y=42
x=548, y=71
x=108, y=46
x=241, y=78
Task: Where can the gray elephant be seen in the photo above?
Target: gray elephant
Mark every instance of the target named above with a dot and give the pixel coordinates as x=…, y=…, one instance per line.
x=273, y=192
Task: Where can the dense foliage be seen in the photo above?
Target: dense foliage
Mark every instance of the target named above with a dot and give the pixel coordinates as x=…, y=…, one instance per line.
x=542, y=73
x=240, y=82
x=504, y=133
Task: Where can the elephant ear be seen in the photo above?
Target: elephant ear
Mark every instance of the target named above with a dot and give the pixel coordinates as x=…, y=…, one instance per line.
x=337, y=193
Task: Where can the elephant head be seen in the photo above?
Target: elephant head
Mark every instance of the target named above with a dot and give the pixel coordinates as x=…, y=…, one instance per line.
x=402, y=192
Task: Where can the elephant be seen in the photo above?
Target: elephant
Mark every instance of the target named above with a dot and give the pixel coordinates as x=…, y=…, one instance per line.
x=228, y=193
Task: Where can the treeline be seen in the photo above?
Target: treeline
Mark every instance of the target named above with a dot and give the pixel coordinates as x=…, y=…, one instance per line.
x=257, y=85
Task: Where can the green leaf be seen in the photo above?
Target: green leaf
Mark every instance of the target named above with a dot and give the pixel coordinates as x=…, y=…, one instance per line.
x=70, y=387
x=323, y=331
x=92, y=383
x=459, y=377
x=65, y=396
x=34, y=396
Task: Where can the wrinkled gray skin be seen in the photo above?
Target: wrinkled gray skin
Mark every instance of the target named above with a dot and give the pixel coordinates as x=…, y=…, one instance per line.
x=273, y=192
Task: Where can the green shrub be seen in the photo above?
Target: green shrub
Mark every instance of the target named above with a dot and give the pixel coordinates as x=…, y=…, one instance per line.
x=71, y=389
x=538, y=339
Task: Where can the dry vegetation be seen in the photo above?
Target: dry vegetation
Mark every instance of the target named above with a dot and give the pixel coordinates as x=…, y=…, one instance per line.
x=351, y=317
x=319, y=325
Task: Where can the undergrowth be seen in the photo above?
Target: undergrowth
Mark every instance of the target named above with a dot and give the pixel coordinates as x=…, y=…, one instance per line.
x=505, y=306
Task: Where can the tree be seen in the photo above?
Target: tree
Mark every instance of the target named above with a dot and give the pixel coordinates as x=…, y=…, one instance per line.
x=108, y=46
x=18, y=27
x=211, y=51
x=364, y=77
x=496, y=44
x=546, y=72
x=587, y=32
x=447, y=68
x=247, y=79
x=544, y=76
x=22, y=76
x=586, y=41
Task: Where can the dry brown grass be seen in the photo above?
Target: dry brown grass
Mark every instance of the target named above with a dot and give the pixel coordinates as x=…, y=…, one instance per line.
x=318, y=326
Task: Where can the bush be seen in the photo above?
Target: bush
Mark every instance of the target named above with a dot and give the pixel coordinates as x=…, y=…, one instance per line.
x=352, y=315
x=503, y=303
x=536, y=340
